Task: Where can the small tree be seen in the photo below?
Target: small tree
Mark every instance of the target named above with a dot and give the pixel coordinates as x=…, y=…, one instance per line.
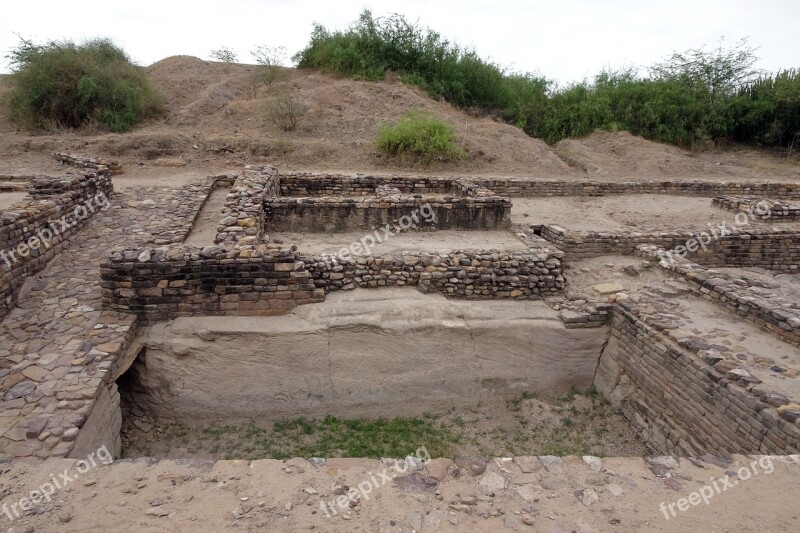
x=284, y=111
x=721, y=71
x=224, y=54
x=269, y=60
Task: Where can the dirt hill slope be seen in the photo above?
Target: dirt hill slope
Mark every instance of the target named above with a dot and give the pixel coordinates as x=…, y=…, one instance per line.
x=215, y=121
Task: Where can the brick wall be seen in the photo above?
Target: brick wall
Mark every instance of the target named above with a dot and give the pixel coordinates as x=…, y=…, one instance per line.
x=773, y=248
x=541, y=187
x=336, y=214
x=681, y=404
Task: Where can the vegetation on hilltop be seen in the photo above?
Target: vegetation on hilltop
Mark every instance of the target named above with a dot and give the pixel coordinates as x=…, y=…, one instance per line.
x=692, y=97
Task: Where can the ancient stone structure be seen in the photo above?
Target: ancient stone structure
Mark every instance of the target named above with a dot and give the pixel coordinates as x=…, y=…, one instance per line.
x=129, y=272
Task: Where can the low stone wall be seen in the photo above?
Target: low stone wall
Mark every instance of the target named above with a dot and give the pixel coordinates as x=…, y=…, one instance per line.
x=681, y=403
x=243, y=216
x=308, y=184
x=768, y=312
x=464, y=274
x=168, y=282
x=33, y=231
x=773, y=249
x=763, y=208
x=101, y=166
x=524, y=187
x=334, y=214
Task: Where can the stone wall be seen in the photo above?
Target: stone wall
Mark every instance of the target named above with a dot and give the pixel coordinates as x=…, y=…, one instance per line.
x=464, y=274
x=99, y=165
x=763, y=208
x=34, y=230
x=242, y=220
x=770, y=248
x=167, y=282
x=336, y=214
x=307, y=184
x=771, y=311
x=523, y=187
x=681, y=403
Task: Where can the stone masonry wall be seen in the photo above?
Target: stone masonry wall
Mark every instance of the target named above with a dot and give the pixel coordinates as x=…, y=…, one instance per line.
x=33, y=231
x=524, y=187
x=681, y=403
x=335, y=214
x=774, y=248
x=242, y=220
x=763, y=208
x=770, y=311
x=168, y=282
x=478, y=274
x=306, y=184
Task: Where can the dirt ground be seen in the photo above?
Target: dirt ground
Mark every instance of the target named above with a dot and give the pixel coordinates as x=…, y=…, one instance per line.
x=629, y=212
x=8, y=198
x=424, y=241
x=624, y=495
x=527, y=424
x=215, y=121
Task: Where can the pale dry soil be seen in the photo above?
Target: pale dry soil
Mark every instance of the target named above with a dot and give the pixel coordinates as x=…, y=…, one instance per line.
x=629, y=212
x=204, y=228
x=525, y=424
x=268, y=495
x=440, y=241
x=9, y=198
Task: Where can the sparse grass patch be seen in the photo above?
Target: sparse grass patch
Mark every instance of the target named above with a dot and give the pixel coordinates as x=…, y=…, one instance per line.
x=420, y=137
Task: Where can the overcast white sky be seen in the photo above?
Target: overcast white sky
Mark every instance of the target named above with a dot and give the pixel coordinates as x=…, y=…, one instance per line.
x=564, y=40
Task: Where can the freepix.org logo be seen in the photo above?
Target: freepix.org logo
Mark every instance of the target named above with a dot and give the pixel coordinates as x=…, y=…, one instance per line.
x=45, y=235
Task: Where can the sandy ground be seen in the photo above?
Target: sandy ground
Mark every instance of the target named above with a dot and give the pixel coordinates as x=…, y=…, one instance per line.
x=425, y=241
x=8, y=198
x=267, y=495
x=215, y=121
x=630, y=212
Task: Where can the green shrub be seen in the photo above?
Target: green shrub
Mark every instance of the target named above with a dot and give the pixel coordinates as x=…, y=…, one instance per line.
x=420, y=136
x=691, y=97
x=62, y=84
x=374, y=46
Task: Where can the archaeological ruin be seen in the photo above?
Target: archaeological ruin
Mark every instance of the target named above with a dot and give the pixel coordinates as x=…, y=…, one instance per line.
x=369, y=295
